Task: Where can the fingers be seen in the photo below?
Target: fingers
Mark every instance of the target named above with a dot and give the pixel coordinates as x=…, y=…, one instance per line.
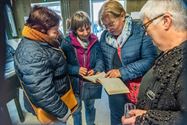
x=108, y=74
x=114, y=73
x=91, y=72
x=123, y=120
x=132, y=112
x=83, y=71
x=128, y=121
x=137, y=112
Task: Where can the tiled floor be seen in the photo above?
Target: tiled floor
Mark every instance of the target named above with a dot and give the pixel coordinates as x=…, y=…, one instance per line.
x=102, y=113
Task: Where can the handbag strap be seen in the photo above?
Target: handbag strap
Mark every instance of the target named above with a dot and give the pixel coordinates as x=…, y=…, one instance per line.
x=60, y=49
x=69, y=82
x=26, y=94
x=119, y=52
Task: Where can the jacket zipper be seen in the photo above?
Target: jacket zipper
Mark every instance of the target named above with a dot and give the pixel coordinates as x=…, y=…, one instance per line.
x=85, y=57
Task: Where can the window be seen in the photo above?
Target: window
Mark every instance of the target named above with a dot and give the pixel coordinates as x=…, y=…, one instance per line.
x=11, y=27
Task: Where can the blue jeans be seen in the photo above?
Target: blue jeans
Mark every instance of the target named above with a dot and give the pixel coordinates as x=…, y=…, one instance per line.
x=77, y=115
x=89, y=113
x=116, y=105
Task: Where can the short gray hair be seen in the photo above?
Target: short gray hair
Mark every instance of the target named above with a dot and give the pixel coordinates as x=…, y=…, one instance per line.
x=153, y=8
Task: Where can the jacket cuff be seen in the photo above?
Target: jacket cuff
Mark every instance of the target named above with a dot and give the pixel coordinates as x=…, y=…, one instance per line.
x=77, y=70
x=95, y=71
x=123, y=73
x=65, y=118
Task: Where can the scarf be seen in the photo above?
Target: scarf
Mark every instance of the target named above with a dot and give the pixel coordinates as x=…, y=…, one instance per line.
x=110, y=39
x=84, y=43
x=33, y=34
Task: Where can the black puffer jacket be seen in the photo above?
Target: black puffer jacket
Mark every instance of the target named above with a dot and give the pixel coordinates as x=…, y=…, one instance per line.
x=43, y=69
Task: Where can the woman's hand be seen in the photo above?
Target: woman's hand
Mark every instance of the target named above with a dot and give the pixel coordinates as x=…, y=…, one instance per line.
x=133, y=114
x=128, y=120
x=136, y=112
x=83, y=71
x=114, y=73
x=90, y=72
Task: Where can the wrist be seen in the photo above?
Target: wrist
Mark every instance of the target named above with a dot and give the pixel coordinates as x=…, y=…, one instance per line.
x=65, y=118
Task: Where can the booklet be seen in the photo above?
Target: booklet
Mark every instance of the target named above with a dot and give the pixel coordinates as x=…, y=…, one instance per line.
x=111, y=85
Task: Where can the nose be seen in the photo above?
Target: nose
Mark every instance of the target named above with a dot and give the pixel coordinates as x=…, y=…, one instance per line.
x=58, y=34
x=85, y=33
x=109, y=29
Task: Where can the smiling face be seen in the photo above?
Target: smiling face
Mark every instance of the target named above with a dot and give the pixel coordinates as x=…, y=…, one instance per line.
x=84, y=32
x=53, y=32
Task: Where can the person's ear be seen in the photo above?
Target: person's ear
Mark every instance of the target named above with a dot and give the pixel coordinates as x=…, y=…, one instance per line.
x=167, y=21
x=122, y=15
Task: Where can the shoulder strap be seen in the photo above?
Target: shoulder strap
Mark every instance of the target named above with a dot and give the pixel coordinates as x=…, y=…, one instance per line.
x=117, y=63
x=21, y=83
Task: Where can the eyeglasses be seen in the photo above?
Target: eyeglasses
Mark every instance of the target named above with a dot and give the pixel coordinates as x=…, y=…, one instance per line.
x=146, y=25
x=111, y=24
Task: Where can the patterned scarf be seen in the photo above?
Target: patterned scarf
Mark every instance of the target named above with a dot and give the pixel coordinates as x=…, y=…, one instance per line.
x=110, y=39
x=84, y=43
x=33, y=34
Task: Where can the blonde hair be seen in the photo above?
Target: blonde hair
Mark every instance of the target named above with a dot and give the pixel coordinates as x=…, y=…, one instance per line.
x=110, y=8
x=79, y=19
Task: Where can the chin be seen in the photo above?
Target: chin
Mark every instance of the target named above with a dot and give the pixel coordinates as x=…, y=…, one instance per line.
x=112, y=32
x=83, y=38
x=115, y=33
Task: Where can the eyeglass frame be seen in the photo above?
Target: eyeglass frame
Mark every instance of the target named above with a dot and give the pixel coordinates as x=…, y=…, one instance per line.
x=111, y=24
x=146, y=25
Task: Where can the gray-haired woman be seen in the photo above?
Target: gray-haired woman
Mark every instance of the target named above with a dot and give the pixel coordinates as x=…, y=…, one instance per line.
x=162, y=97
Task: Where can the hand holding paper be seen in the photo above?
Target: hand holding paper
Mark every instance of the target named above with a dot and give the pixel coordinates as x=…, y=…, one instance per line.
x=111, y=85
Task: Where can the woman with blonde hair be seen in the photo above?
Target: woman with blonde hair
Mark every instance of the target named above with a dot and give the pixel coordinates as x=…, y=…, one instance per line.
x=128, y=54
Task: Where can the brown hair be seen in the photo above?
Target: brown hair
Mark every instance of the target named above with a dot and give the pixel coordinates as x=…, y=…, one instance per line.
x=42, y=19
x=110, y=8
x=79, y=19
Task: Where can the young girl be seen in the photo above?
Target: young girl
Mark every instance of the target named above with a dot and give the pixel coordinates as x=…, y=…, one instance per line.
x=84, y=59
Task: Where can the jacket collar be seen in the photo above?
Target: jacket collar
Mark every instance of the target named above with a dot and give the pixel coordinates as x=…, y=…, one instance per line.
x=73, y=38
